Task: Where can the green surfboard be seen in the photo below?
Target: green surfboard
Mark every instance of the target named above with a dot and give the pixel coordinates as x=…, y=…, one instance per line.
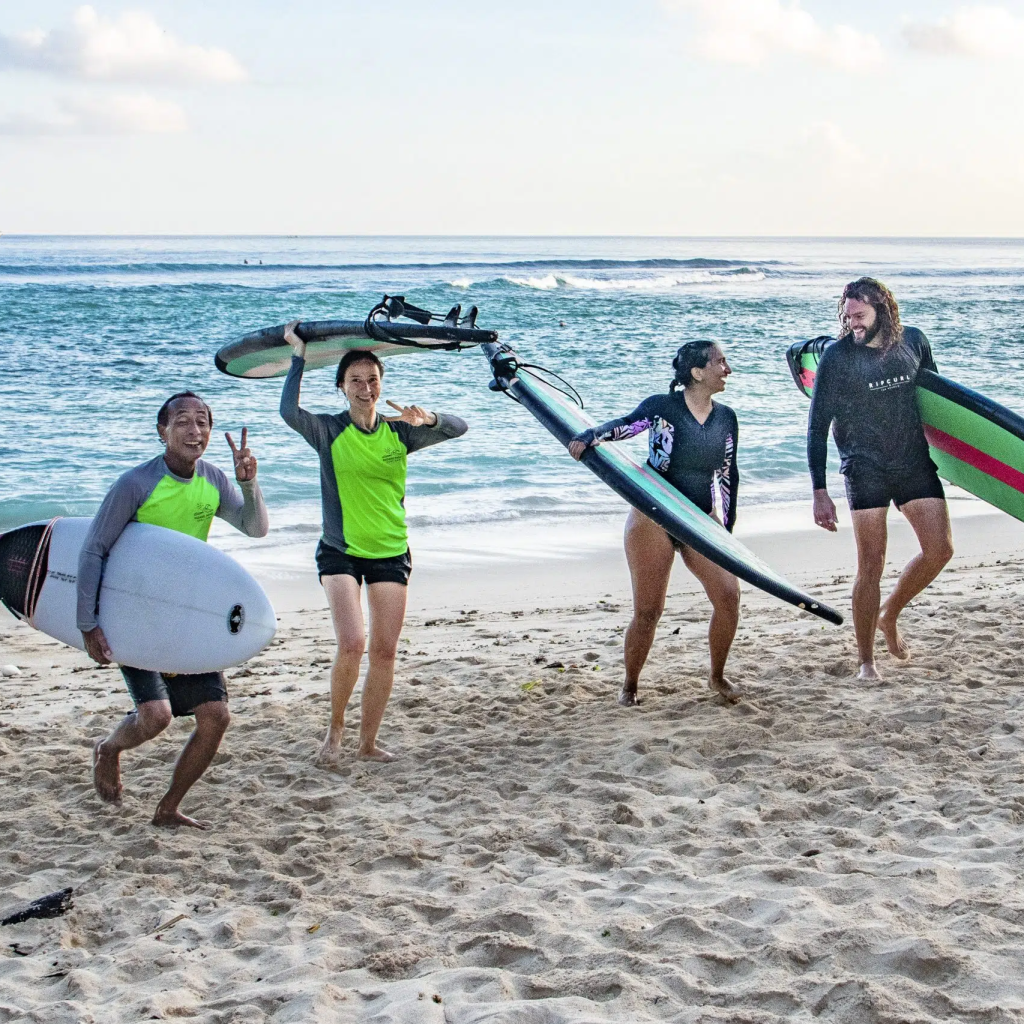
x=643, y=487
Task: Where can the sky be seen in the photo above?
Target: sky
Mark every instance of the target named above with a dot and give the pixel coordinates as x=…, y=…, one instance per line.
x=532, y=117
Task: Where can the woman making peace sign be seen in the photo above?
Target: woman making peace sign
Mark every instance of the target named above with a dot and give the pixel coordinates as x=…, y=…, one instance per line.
x=362, y=487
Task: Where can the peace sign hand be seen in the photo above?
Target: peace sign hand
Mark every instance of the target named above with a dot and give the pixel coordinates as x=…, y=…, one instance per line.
x=413, y=415
x=245, y=461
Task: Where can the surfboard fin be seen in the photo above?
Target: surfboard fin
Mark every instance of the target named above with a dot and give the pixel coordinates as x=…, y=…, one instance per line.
x=452, y=319
x=469, y=320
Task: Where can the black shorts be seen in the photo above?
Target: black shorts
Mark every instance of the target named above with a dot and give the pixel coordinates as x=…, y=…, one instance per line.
x=185, y=692
x=332, y=562
x=868, y=486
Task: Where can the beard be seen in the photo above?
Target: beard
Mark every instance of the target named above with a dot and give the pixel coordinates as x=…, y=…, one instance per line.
x=869, y=335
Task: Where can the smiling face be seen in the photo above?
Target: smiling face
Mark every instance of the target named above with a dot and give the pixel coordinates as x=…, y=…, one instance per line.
x=712, y=376
x=862, y=320
x=361, y=385
x=188, y=430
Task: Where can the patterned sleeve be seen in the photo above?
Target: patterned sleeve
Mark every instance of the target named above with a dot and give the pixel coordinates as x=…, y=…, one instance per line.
x=639, y=420
x=729, y=476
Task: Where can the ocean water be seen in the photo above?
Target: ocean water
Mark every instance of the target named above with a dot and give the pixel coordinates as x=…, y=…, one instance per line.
x=97, y=331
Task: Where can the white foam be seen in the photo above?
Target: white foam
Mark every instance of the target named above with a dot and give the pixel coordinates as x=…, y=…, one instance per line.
x=659, y=282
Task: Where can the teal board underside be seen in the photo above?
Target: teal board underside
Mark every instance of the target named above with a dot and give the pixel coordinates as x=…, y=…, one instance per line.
x=646, y=491
x=265, y=353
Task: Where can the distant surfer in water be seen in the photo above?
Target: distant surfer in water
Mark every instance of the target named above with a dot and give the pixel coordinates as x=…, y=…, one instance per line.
x=179, y=491
x=865, y=388
x=692, y=443
x=362, y=485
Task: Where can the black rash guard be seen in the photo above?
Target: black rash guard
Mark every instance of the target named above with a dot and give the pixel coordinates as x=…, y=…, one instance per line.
x=690, y=455
x=869, y=398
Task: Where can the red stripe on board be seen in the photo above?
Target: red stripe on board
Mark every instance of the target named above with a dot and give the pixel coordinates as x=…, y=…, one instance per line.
x=973, y=457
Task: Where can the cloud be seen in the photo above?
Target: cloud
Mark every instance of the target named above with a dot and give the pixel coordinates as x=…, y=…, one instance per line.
x=752, y=31
x=980, y=31
x=110, y=115
x=129, y=48
x=832, y=143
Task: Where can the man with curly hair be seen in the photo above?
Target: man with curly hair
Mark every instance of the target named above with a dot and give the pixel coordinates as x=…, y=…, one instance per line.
x=865, y=389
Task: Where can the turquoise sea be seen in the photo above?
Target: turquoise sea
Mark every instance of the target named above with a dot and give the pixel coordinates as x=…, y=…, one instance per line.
x=97, y=331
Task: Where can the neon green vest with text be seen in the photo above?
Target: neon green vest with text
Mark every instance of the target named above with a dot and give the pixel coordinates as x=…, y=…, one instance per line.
x=370, y=472
x=186, y=507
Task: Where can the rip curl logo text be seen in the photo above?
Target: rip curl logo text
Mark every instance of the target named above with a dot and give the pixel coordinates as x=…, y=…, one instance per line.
x=888, y=383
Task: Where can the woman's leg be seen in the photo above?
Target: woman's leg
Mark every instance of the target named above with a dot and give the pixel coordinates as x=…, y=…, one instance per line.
x=387, y=613
x=649, y=554
x=723, y=590
x=347, y=615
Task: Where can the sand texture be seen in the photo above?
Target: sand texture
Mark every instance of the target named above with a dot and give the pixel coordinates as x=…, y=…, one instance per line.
x=824, y=851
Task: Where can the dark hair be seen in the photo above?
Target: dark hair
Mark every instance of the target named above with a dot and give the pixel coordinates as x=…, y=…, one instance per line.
x=163, y=417
x=356, y=356
x=867, y=289
x=694, y=355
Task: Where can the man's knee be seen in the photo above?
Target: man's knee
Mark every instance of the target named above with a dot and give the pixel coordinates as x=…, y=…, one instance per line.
x=153, y=716
x=213, y=716
x=940, y=552
x=870, y=568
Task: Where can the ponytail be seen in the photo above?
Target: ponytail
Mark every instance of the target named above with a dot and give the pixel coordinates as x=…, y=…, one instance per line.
x=694, y=355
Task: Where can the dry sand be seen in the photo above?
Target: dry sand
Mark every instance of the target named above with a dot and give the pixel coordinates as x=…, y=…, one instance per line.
x=825, y=850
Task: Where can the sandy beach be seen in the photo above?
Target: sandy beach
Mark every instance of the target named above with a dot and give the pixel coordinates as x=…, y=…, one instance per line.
x=825, y=850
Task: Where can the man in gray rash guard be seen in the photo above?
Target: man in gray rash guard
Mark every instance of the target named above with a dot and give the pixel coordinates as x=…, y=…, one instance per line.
x=178, y=491
x=865, y=387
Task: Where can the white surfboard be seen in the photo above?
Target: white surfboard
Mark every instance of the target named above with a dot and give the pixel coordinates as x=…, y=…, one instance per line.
x=167, y=601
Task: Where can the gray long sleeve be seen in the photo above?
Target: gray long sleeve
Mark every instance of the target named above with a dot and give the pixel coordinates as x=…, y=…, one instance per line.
x=244, y=509
x=246, y=512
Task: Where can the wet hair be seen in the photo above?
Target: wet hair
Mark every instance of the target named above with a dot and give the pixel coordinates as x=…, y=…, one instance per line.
x=694, y=355
x=350, y=358
x=888, y=326
x=163, y=417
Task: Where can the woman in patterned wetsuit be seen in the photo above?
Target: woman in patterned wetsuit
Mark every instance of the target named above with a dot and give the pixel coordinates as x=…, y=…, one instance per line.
x=693, y=444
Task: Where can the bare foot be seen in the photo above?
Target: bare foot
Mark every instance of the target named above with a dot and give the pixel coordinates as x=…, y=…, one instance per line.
x=729, y=692
x=893, y=638
x=376, y=753
x=106, y=774
x=628, y=698
x=868, y=671
x=175, y=819
x=330, y=750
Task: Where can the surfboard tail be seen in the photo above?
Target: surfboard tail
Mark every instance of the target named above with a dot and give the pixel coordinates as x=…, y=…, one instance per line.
x=803, y=358
x=24, y=555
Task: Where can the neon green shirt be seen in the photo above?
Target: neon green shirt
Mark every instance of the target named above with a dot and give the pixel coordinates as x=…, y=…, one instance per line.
x=362, y=473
